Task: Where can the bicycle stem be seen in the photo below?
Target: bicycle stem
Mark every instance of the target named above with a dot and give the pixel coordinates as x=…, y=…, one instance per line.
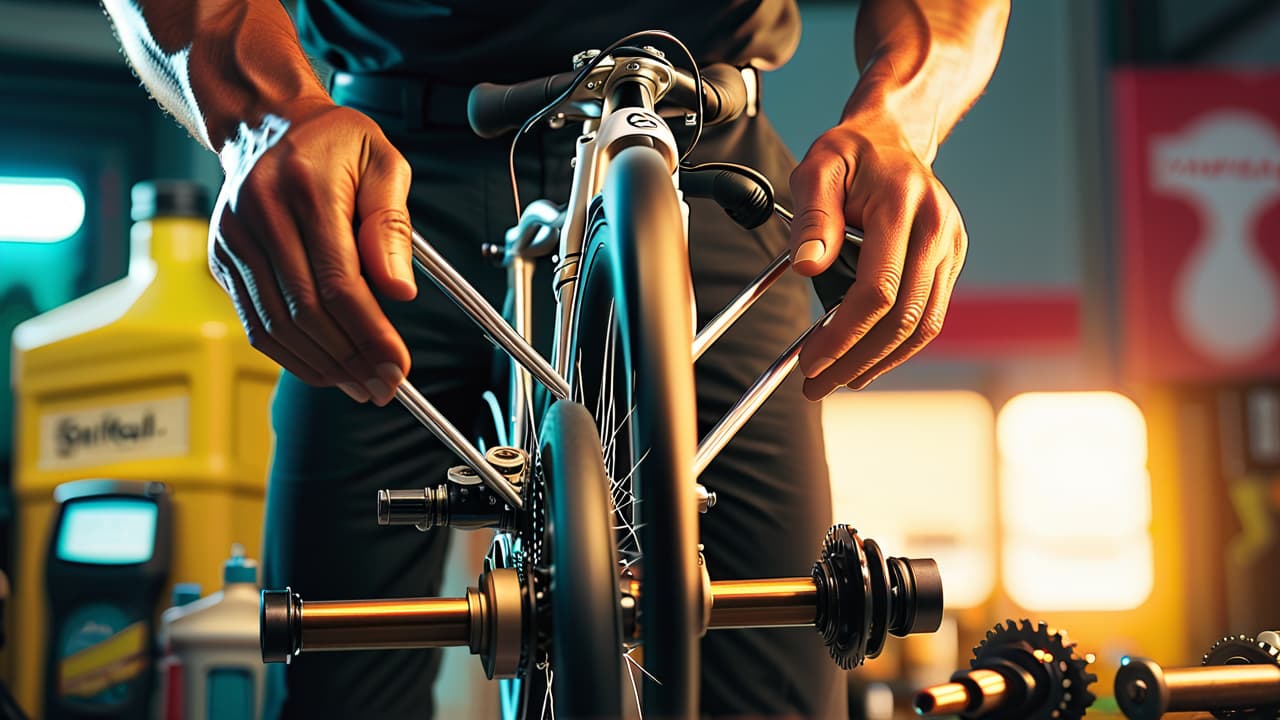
x=465, y=295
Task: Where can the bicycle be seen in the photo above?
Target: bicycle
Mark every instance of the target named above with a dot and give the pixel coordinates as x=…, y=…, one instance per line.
x=607, y=474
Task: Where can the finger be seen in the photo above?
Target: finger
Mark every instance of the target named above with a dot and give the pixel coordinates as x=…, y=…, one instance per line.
x=924, y=254
x=935, y=313
x=384, y=236
x=346, y=297
x=287, y=256
x=819, y=187
x=875, y=291
x=220, y=265
x=252, y=271
x=895, y=328
x=930, y=325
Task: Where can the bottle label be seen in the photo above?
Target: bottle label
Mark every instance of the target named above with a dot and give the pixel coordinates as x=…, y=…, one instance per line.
x=123, y=432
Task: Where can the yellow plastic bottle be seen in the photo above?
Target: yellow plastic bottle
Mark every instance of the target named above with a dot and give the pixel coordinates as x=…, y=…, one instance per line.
x=149, y=378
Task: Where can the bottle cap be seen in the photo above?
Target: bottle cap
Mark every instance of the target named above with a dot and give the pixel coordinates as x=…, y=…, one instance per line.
x=184, y=593
x=239, y=569
x=169, y=198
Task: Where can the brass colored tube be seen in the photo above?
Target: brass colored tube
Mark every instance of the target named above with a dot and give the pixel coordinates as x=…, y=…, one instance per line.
x=385, y=624
x=976, y=692
x=1222, y=687
x=777, y=602
x=944, y=699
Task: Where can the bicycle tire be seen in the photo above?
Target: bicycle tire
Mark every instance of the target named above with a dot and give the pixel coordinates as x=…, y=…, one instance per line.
x=633, y=283
x=586, y=628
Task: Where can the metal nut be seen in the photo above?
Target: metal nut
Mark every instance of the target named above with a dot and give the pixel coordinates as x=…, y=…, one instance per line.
x=463, y=475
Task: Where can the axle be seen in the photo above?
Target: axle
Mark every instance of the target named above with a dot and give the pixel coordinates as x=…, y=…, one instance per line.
x=1145, y=691
x=855, y=597
x=291, y=625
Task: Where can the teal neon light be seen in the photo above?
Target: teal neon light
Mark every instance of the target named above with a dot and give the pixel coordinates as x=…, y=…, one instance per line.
x=39, y=210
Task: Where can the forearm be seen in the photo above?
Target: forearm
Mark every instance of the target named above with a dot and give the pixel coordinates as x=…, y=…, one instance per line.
x=215, y=64
x=923, y=63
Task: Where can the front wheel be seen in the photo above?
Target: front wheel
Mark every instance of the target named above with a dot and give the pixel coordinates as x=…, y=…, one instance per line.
x=632, y=367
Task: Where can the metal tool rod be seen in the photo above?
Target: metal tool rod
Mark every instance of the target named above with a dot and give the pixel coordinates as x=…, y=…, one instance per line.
x=751, y=400
x=740, y=304
x=439, y=425
x=851, y=234
x=775, y=602
x=474, y=304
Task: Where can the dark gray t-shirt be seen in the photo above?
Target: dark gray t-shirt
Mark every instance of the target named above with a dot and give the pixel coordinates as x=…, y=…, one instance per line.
x=465, y=41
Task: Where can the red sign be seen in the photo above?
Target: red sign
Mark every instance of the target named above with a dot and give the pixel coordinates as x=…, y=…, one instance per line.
x=1200, y=211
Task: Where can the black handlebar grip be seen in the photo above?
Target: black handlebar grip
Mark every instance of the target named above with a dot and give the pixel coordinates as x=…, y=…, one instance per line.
x=494, y=110
x=724, y=93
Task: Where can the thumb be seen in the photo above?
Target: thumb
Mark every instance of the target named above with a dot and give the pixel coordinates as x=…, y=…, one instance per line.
x=385, y=233
x=817, y=232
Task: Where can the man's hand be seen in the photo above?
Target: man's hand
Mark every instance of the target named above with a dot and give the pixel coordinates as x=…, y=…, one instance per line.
x=922, y=63
x=913, y=250
x=303, y=234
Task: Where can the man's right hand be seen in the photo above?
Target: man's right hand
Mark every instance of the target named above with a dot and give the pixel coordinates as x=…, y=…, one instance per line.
x=303, y=234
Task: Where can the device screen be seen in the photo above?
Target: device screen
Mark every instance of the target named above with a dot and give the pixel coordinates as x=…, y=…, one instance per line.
x=108, y=531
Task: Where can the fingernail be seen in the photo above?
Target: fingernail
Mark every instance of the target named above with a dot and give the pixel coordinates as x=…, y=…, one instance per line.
x=401, y=267
x=809, y=251
x=377, y=389
x=383, y=387
x=354, y=391
x=815, y=366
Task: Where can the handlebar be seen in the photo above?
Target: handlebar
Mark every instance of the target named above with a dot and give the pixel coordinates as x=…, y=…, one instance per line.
x=494, y=110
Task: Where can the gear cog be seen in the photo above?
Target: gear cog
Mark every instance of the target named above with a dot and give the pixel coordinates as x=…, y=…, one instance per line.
x=1051, y=660
x=1244, y=650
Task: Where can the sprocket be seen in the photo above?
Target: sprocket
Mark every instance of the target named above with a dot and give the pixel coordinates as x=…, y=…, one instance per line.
x=1050, y=658
x=1244, y=650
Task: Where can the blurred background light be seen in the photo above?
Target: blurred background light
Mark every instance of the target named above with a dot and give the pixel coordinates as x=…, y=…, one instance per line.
x=41, y=210
x=916, y=472
x=1075, y=499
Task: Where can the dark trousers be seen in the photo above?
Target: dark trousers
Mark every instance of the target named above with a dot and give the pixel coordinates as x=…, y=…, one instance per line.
x=332, y=454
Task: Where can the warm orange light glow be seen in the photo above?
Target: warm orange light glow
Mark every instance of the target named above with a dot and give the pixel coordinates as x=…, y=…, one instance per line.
x=1075, y=501
x=916, y=471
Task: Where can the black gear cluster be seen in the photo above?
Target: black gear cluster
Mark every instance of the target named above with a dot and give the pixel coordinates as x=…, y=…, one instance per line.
x=1045, y=678
x=1244, y=650
x=864, y=596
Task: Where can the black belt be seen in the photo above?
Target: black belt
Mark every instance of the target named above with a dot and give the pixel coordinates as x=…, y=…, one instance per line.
x=423, y=104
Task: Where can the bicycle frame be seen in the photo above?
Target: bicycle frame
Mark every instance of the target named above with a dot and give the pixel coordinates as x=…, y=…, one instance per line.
x=532, y=238
x=855, y=595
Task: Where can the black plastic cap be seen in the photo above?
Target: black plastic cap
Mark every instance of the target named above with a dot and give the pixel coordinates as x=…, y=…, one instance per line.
x=1141, y=690
x=169, y=198
x=278, y=625
x=929, y=600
